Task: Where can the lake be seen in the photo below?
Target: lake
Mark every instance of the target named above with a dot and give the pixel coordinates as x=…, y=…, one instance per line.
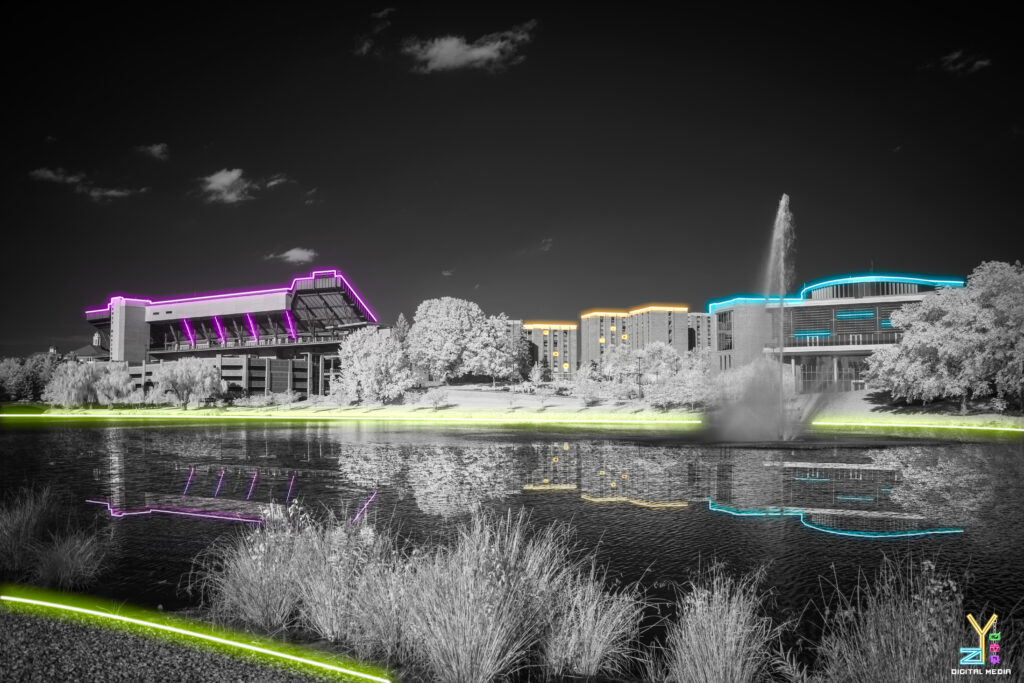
x=654, y=507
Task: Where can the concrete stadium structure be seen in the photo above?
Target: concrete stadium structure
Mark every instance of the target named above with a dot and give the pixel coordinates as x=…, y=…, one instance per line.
x=272, y=339
x=829, y=328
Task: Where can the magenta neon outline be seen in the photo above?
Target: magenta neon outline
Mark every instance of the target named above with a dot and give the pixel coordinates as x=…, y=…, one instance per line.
x=253, y=332
x=290, y=485
x=184, y=512
x=189, y=482
x=290, y=324
x=251, y=486
x=365, y=505
x=220, y=330
x=219, y=482
x=333, y=272
x=185, y=325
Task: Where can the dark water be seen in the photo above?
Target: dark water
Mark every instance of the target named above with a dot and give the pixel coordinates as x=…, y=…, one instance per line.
x=675, y=506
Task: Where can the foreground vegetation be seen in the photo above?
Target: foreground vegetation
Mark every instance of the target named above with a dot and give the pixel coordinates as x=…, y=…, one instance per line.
x=501, y=600
x=41, y=543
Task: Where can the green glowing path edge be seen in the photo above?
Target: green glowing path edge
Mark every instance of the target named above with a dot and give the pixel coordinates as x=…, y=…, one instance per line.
x=108, y=613
x=496, y=419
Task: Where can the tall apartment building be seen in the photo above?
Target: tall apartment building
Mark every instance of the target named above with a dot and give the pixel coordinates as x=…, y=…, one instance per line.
x=699, y=332
x=555, y=341
x=604, y=328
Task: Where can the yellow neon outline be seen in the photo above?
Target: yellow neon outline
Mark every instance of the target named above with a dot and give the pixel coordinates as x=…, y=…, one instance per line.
x=672, y=308
x=981, y=631
x=613, y=314
x=554, y=324
x=635, y=501
x=549, y=487
x=194, y=634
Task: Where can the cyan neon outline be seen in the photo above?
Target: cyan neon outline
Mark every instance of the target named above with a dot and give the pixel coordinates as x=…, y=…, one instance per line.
x=795, y=512
x=812, y=333
x=857, y=314
x=843, y=279
x=332, y=272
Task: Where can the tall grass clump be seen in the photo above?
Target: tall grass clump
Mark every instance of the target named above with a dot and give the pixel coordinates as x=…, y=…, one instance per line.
x=352, y=589
x=26, y=520
x=478, y=610
x=594, y=630
x=39, y=542
x=69, y=560
x=906, y=625
x=250, y=580
x=721, y=634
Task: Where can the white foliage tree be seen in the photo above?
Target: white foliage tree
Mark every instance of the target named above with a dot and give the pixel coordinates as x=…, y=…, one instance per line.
x=491, y=349
x=373, y=366
x=73, y=384
x=187, y=379
x=115, y=385
x=441, y=333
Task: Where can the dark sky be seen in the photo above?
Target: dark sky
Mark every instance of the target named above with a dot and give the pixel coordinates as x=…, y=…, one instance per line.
x=537, y=160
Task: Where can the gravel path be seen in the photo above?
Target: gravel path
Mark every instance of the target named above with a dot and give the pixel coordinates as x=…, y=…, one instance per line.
x=67, y=650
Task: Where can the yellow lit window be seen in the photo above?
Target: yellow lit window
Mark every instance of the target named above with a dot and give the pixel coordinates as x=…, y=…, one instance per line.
x=545, y=333
x=555, y=354
x=624, y=337
x=612, y=328
x=601, y=340
x=565, y=366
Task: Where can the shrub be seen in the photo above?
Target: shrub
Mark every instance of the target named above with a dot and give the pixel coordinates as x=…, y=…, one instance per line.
x=69, y=560
x=872, y=623
x=436, y=398
x=721, y=634
x=594, y=630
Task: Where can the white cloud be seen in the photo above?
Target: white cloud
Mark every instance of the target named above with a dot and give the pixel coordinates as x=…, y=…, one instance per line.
x=275, y=180
x=383, y=13
x=294, y=255
x=229, y=186
x=57, y=176
x=159, y=151
x=492, y=51
x=448, y=273
x=82, y=185
x=546, y=244
x=959, y=62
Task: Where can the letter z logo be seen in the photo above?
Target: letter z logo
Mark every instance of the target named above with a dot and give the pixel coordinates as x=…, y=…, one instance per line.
x=972, y=656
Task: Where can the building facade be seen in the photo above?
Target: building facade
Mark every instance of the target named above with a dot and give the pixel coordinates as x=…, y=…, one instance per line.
x=828, y=329
x=284, y=332
x=604, y=328
x=554, y=341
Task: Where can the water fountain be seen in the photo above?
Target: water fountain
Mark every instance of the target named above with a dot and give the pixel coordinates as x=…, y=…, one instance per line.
x=761, y=410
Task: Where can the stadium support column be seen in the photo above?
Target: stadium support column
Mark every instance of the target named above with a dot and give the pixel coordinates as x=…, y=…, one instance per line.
x=320, y=379
x=266, y=378
x=245, y=374
x=835, y=370
x=291, y=375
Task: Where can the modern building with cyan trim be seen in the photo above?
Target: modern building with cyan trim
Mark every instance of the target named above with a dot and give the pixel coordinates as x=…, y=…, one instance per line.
x=830, y=326
x=269, y=339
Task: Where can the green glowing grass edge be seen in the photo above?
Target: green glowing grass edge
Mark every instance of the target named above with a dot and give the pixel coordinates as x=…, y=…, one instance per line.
x=113, y=615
